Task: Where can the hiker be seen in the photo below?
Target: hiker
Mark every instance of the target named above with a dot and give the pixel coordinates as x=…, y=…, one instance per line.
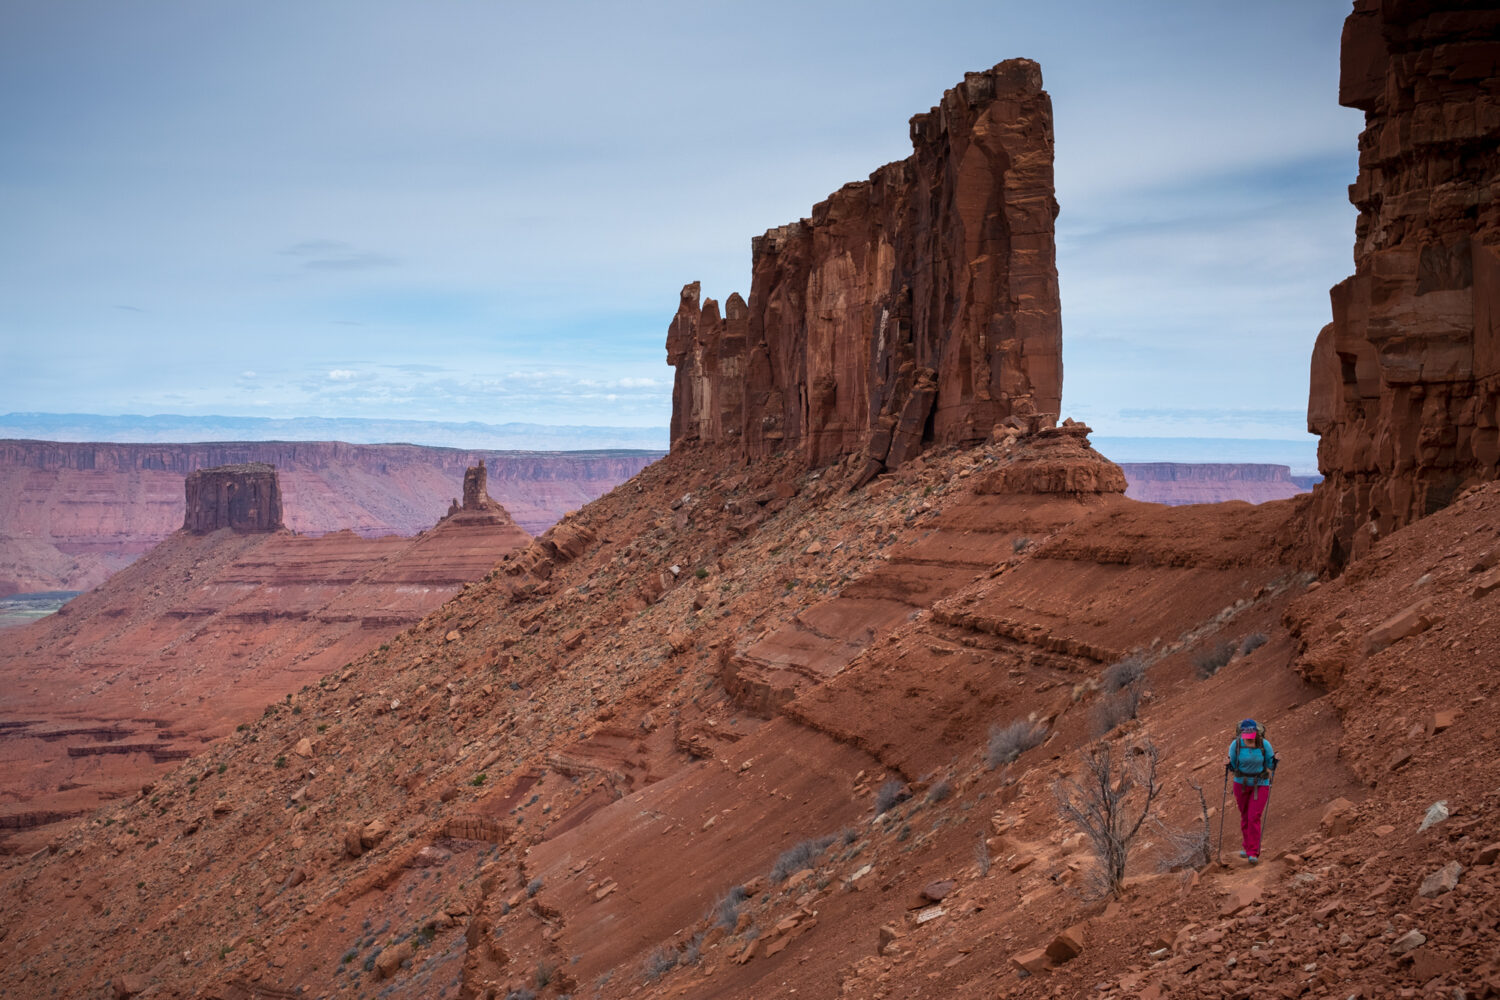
x=1252, y=761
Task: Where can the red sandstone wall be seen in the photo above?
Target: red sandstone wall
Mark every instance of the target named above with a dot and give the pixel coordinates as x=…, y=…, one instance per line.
x=1405, y=386
x=918, y=306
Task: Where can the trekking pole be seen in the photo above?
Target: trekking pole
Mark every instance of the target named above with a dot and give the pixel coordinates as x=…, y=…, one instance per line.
x=1223, y=803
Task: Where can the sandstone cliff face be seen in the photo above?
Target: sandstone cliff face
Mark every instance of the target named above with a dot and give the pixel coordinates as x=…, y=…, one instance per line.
x=919, y=306
x=239, y=497
x=1405, y=382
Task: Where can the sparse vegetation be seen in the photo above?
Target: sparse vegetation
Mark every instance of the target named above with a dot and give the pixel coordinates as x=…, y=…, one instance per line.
x=1118, y=676
x=796, y=858
x=281, y=760
x=1191, y=847
x=940, y=791
x=544, y=973
x=726, y=912
x=1010, y=741
x=1252, y=642
x=1111, y=711
x=478, y=779
x=1211, y=659
x=888, y=795
x=533, y=887
x=1020, y=544
x=701, y=573
x=659, y=963
x=982, y=856
x=1109, y=803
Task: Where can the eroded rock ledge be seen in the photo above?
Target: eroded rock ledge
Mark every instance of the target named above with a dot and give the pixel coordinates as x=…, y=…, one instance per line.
x=919, y=306
x=1405, y=383
x=243, y=497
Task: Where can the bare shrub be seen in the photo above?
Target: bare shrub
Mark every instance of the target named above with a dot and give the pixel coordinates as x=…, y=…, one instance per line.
x=1211, y=659
x=982, y=856
x=660, y=962
x=940, y=792
x=1119, y=676
x=1253, y=641
x=1191, y=847
x=1009, y=742
x=726, y=912
x=1110, y=802
x=794, y=859
x=1111, y=711
x=889, y=794
x=1020, y=544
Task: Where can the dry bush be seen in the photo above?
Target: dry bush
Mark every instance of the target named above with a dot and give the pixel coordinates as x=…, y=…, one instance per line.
x=794, y=859
x=1110, y=802
x=1118, y=676
x=1253, y=641
x=726, y=912
x=1009, y=742
x=1211, y=659
x=660, y=962
x=1111, y=711
x=1191, y=847
x=889, y=794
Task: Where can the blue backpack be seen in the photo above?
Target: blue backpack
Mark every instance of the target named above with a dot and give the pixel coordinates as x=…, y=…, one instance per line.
x=1252, y=762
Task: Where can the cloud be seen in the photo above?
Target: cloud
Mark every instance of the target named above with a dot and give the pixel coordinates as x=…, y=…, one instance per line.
x=342, y=375
x=336, y=255
x=133, y=309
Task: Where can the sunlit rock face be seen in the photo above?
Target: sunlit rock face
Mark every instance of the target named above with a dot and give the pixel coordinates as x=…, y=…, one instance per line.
x=917, y=307
x=1405, y=382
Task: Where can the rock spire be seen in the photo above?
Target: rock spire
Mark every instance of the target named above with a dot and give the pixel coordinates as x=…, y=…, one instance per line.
x=919, y=306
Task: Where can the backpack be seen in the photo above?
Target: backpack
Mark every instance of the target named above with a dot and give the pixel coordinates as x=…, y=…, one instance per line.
x=1254, y=761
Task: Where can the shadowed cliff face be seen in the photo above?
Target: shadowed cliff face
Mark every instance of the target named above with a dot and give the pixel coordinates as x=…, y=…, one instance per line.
x=239, y=497
x=1405, y=387
x=919, y=306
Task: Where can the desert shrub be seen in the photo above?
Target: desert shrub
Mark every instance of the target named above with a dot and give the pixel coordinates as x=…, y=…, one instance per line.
x=1111, y=711
x=940, y=791
x=794, y=859
x=1190, y=847
x=888, y=794
x=1020, y=544
x=726, y=912
x=524, y=993
x=544, y=974
x=701, y=573
x=533, y=887
x=1252, y=642
x=1123, y=674
x=1009, y=742
x=1209, y=660
x=1110, y=802
x=659, y=963
x=982, y=855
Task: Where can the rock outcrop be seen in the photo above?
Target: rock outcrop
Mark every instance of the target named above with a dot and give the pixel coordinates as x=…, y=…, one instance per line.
x=244, y=498
x=1405, y=387
x=919, y=306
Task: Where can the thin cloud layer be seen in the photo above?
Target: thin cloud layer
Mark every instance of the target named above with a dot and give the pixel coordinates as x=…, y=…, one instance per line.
x=482, y=210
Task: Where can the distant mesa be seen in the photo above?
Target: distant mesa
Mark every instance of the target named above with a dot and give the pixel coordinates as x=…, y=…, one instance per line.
x=245, y=498
x=914, y=308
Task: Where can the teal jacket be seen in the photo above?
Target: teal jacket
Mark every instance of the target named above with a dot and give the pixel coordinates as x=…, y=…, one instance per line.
x=1260, y=759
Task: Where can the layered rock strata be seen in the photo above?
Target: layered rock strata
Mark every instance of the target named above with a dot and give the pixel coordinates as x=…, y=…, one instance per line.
x=1405, y=387
x=240, y=497
x=919, y=306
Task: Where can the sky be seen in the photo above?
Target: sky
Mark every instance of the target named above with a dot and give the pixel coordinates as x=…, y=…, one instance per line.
x=458, y=210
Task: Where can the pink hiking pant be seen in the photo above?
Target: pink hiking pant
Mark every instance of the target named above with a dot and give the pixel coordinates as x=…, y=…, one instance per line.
x=1252, y=802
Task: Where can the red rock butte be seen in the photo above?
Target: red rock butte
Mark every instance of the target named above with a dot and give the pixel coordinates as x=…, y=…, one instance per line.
x=1405, y=386
x=239, y=497
x=919, y=306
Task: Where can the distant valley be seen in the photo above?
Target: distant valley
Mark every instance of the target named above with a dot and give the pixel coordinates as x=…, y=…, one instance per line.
x=72, y=514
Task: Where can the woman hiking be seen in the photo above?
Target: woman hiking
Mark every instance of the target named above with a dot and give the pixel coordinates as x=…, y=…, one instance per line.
x=1252, y=761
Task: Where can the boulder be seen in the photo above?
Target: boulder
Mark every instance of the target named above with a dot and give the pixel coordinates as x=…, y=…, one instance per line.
x=1445, y=879
x=1409, y=622
x=373, y=833
x=388, y=962
x=1067, y=945
x=1338, y=817
x=1030, y=962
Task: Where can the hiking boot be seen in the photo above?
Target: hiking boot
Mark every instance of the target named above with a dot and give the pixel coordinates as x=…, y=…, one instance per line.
x=1244, y=855
x=1253, y=859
